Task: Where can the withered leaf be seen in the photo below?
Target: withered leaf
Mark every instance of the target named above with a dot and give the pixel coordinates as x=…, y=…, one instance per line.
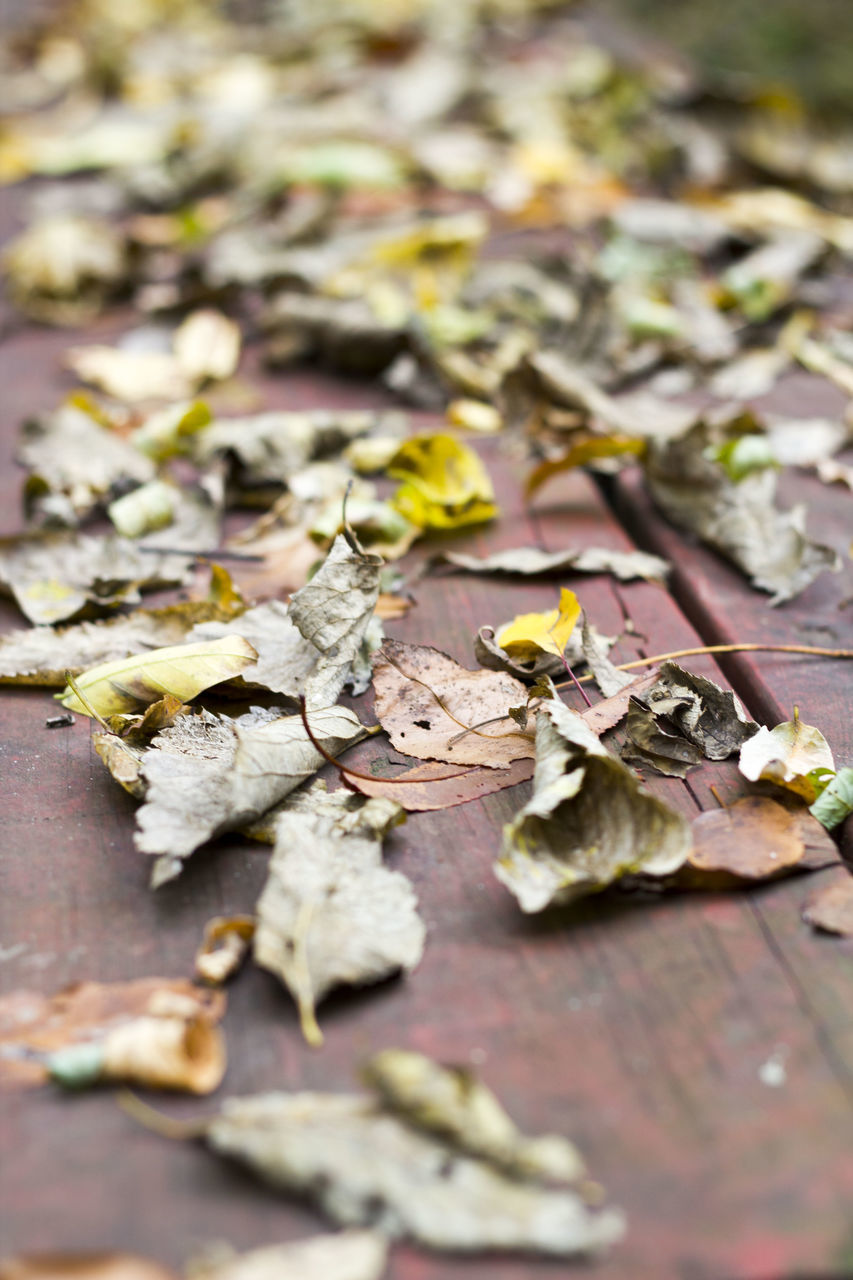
x=595, y=649
x=831, y=908
x=334, y=612
x=347, y=812
x=426, y=702
x=737, y=518
x=225, y=945
x=356, y=1160
x=711, y=718
x=451, y=1103
x=129, y=375
x=753, y=839
x=606, y=714
x=42, y=655
x=441, y=786
x=332, y=914
x=531, y=562
x=285, y=659
x=346, y=1255
x=651, y=743
x=588, y=823
x=61, y=269
x=206, y=775
x=55, y=577
x=489, y=654
x=794, y=755
x=95, y=1019
x=182, y=670
x=74, y=463
x=207, y=345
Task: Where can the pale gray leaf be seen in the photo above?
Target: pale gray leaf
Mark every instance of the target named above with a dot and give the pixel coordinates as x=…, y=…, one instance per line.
x=346, y=1255
x=532, y=562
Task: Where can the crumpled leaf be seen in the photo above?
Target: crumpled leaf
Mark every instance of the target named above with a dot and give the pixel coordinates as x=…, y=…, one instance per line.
x=347, y=813
x=451, y=1103
x=489, y=654
x=224, y=947
x=530, y=634
x=581, y=454
x=130, y=375
x=738, y=519
x=651, y=743
x=62, y=269
x=54, y=577
x=359, y=1161
x=831, y=908
x=42, y=655
x=441, y=786
x=334, y=612
x=835, y=802
x=331, y=914
x=285, y=659
x=444, y=483
x=531, y=562
x=588, y=823
x=606, y=714
x=752, y=839
x=207, y=775
x=83, y=1266
x=183, y=670
x=75, y=463
x=101, y=1023
x=682, y=718
x=426, y=701
x=794, y=755
x=346, y=1255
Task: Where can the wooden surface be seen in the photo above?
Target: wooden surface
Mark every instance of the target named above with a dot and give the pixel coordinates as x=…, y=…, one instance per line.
x=638, y=1027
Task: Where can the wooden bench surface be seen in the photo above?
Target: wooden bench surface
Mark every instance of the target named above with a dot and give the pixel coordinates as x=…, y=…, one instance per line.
x=639, y=1027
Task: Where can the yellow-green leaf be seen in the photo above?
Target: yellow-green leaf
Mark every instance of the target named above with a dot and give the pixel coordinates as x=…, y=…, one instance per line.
x=582, y=452
x=182, y=670
x=445, y=485
x=530, y=634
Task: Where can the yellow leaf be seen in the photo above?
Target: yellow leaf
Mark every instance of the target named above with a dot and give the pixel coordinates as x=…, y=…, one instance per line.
x=531, y=633
x=581, y=453
x=445, y=485
x=182, y=670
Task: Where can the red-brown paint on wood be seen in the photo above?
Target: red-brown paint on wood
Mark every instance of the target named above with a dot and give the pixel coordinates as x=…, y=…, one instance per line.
x=639, y=1026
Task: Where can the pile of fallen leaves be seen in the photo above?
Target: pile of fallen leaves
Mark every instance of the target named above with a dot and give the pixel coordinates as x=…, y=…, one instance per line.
x=348, y=184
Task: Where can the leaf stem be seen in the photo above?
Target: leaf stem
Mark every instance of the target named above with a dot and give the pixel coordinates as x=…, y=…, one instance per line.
x=150, y=1118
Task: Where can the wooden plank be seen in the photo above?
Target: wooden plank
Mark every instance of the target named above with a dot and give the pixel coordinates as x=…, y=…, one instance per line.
x=725, y=610
x=638, y=1027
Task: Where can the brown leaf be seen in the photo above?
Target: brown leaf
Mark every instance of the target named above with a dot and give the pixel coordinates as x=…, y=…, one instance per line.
x=831, y=908
x=753, y=839
x=33, y=1026
x=224, y=948
x=425, y=700
x=435, y=785
x=606, y=714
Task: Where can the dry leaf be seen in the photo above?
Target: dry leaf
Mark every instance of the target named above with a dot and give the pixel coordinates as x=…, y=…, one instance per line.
x=334, y=612
x=451, y=1103
x=347, y=812
x=62, y=269
x=75, y=463
x=207, y=775
x=606, y=714
x=489, y=654
x=595, y=649
x=359, y=1162
x=531, y=562
x=440, y=786
x=794, y=755
x=55, y=577
x=224, y=947
x=753, y=839
x=34, y=1028
x=182, y=670
x=588, y=823
x=711, y=718
x=42, y=655
x=425, y=700
x=332, y=914
x=580, y=454
x=444, y=483
x=285, y=659
x=831, y=908
x=737, y=518
x=651, y=743
x=346, y=1255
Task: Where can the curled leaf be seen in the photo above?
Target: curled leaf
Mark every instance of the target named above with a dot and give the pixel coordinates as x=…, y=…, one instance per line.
x=183, y=671
x=793, y=755
x=588, y=823
x=530, y=634
x=225, y=945
x=531, y=562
